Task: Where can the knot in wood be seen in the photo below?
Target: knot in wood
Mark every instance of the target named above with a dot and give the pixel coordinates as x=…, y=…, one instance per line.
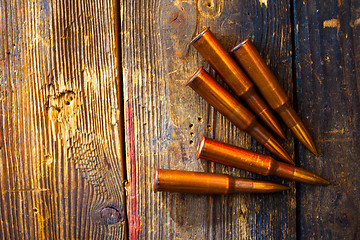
x=176, y=18
x=110, y=215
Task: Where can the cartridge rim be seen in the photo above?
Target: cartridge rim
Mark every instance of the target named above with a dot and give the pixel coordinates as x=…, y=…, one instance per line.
x=156, y=173
x=194, y=75
x=240, y=44
x=200, y=34
x=200, y=147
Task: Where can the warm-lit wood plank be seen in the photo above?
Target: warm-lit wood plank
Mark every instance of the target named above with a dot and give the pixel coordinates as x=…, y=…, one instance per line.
x=59, y=145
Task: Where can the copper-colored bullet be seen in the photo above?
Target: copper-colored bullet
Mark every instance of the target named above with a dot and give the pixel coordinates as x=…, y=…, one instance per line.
x=251, y=61
x=237, y=157
x=209, y=183
x=215, y=54
x=227, y=105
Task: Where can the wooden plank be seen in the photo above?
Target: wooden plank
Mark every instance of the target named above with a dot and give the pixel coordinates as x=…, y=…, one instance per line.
x=164, y=119
x=59, y=143
x=327, y=62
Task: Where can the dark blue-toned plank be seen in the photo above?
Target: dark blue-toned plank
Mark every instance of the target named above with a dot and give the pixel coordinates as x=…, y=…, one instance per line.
x=327, y=69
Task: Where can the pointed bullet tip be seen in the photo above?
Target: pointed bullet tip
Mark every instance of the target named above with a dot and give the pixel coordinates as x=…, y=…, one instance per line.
x=324, y=182
x=268, y=117
x=286, y=157
x=304, y=137
x=314, y=151
x=305, y=176
x=279, y=187
x=283, y=136
x=268, y=187
x=311, y=146
x=273, y=146
x=292, y=162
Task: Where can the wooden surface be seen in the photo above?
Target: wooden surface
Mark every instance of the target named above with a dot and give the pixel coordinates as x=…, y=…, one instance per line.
x=62, y=137
x=165, y=119
x=306, y=49
x=327, y=83
x=59, y=145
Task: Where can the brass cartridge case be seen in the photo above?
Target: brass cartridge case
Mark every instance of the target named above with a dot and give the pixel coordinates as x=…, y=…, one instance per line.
x=215, y=54
x=237, y=157
x=227, y=105
x=209, y=183
x=251, y=61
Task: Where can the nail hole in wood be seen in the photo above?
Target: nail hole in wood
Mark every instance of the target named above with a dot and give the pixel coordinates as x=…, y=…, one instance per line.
x=191, y=125
x=327, y=58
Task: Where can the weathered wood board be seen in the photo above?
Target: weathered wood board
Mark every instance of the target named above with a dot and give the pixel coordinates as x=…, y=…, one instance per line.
x=165, y=120
x=59, y=145
x=327, y=83
x=61, y=142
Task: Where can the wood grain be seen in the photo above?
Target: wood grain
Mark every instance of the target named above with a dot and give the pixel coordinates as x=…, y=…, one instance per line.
x=327, y=57
x=60, y=148
x=165, y=120
x=61, y=110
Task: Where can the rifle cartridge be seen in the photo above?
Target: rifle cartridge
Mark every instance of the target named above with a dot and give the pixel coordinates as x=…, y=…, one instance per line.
x=226, y=154
x=210, y=90
x=252, y=63
x=209, y=183
x=216, y=55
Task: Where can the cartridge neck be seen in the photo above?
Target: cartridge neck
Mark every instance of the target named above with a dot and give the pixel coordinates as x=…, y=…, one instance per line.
x=240, y=185
x=283, y=170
